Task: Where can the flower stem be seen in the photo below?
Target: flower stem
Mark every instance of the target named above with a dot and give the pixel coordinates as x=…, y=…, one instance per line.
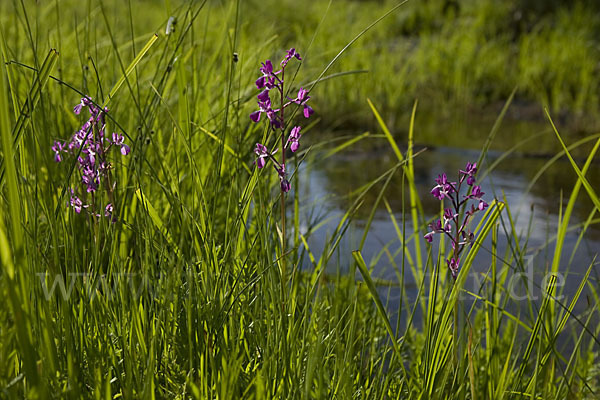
x=283, y=264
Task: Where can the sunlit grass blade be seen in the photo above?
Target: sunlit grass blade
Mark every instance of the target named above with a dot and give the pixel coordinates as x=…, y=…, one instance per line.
x=156, y=219
x=415, y=203
x=416, y=208
x=345, y=144
x=369, y=219
x=496, y=127
x=130, y=69
x=564, y=222
x=227, y=147
x=13, y=254
x=35, y=92
x=513, y=317
x=536, y=330
x=14, y=200
x=590, y=190
x=399, y=234
x=364, y=271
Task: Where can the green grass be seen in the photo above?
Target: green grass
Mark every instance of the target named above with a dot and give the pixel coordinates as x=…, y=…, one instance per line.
x=184, y=297
x=449, y=58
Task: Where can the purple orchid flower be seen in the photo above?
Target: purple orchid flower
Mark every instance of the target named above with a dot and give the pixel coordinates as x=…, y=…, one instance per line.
x=461, y=236
x=469, y=171
x=449, y=215
x=274, y=80
x=482, y=205
x=58, y=148
x=85, y=102
x=268, y=78
x=263, y=155
x=453, y=263
x=476, y=193
x=265, y=107
x=91, y=148
x=76, y=203
x=117, y=140
x=90, y=178
x=301, y=100
x=437, y=226
x=284, y=183
x=444, y=188
x=294, y=139
x=429, y=236
x=291, y=53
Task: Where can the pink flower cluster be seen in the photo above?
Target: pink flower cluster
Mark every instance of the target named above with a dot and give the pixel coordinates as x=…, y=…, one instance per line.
x=450, y=225
x=270, y=80
x=91, y=147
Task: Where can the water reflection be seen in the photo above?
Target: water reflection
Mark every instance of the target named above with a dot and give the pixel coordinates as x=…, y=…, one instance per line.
x=328, y=188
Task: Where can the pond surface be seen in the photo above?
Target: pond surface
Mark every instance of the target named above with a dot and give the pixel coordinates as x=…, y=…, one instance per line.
x=328, y=189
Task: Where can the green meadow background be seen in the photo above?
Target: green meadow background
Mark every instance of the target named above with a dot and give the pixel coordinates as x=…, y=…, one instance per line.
x=187, y=295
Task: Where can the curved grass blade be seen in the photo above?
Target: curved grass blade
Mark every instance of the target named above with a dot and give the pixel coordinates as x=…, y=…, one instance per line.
x=130, y=69
x=227, y=147
x=30, y=103
x=582, y=178
x=156, y=219
x=569, y=311
x=536, y=329
x=34, y=95
x=495, y=128
x=345, y=144
x=564, y=222
x=16, y=288
x=415, y=204
x=364, y=271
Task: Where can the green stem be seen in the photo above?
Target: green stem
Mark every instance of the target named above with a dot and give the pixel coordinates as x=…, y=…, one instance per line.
x=283, y=263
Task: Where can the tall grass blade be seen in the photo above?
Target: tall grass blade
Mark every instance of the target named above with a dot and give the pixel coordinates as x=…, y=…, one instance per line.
x=156, y=219
x=130, y=69
x=564, y=223
x=364, y=271
x=14, y=257
x=590, y=190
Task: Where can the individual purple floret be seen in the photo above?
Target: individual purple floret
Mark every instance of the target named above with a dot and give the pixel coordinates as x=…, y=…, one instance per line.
x=469, y=172
x=291, y=53
x=443, y=188
x=429, y=236
x=294, y=139
x=274, y=80
x=268, y=78
x=117, y=140
x=263, y=155
x=264, y=106
x=453, y=266
x=301, y=100
x=76, y=203
x=58, y=148
x=91, y=147
x=460, y=236
x=85, y=102
x=284, y=183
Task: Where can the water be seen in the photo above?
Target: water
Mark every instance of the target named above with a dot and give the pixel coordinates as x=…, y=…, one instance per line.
x=327, y=191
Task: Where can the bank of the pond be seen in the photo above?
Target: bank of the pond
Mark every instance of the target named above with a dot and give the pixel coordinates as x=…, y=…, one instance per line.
x=475, y=54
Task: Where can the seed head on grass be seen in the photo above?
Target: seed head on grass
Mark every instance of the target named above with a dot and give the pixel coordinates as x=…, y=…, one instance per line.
x=450, y=225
